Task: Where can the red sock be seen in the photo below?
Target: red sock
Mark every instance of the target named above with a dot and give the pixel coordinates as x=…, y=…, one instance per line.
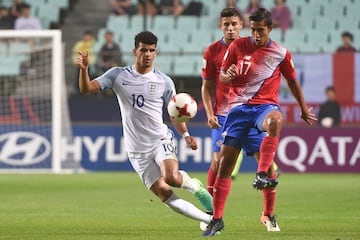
x=211, y=180
x=267, y=152
x=269, y=199
x=221, y=191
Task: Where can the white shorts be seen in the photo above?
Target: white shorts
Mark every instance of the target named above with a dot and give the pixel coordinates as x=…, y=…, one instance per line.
x=147, y=165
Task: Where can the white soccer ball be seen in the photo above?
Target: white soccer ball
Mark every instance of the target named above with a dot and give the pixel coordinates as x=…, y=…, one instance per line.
x=182, y=107
x=327, y=122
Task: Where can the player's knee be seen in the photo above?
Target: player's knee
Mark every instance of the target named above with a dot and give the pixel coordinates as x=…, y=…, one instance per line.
x=173, y=179
x=274, y=123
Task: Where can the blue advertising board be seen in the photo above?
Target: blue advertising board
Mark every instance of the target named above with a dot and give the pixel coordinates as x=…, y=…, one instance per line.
x=101, y=148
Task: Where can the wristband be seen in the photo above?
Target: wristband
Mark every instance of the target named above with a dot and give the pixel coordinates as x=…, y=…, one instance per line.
x=186, y=134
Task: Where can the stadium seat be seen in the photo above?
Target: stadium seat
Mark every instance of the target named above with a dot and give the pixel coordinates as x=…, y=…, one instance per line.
x=164, y=63
x=208, y=23
x=317, y=37
x=199, y=40
x=294, y=36
x=352, y=23
x=333, y=10
x=187, y=65
x=323, y=23
x=308, y=10
x=137, y=23
x=303, y=23
x=276, y=34
x=162, y=23
x=114, y=23
x=179, y=39
x=187, y=23
x=309, y=48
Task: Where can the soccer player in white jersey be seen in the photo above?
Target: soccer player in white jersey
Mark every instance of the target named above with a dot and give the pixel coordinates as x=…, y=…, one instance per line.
x=142, y=92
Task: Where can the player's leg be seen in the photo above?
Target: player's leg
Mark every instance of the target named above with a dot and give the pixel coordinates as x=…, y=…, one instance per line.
x=150, y=174
x=269, y=197
x=239, y=160
x=165, y=157
x=234, y=126
x=161, y=189
x=217, y=139
x=269, y=119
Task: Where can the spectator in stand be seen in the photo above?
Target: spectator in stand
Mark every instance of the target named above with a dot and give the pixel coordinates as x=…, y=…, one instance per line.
x=15, y=8
x=232, y=4
x=171, y=7
x=150, y=6
x=281, y=15
x=110, y=54
x=347, y=39
x=25, y=21
x=252, y=6
x=7, y=21
x=87, y=43
x=122, y=7
x=329, y=113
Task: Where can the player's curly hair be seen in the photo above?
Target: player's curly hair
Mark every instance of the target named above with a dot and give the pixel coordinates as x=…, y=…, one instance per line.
x=230, y=12
x=261, y=14
x=145, y=37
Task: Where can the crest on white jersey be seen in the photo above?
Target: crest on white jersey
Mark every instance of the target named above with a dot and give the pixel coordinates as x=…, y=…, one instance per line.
x=152, y=87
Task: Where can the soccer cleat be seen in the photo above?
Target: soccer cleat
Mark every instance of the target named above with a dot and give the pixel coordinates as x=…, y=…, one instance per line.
x=214, y=228
x=270, y=223
x=262, y=181
x=203, y=196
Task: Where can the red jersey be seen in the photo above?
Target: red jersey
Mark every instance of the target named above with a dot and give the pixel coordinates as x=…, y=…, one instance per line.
x=213, y=57
x=260, y=70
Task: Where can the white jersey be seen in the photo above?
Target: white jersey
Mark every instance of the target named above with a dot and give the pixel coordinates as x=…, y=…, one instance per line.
x=142, y=98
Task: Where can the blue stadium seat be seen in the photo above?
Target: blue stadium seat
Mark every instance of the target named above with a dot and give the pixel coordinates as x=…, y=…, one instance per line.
x=324, y=23
x=162, y=23
x=137, y=22
x=187, y=65
x=164, y=63
x=317, y=37
x=187, y=23
x=208, y=22
x=114, y=23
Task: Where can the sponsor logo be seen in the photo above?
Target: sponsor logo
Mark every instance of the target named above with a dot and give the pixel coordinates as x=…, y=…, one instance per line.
x=23, y=148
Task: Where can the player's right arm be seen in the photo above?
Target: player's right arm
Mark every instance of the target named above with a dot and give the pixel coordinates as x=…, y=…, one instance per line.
x=206, y=89
x=85, y=85
x=229, y=70
x=207, y=86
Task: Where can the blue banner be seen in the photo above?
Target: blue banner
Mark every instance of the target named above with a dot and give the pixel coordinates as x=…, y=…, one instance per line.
x=101, y=148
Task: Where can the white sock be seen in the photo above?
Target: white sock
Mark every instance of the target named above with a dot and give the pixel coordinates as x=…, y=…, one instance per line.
x=188, y=183
x=187, y=209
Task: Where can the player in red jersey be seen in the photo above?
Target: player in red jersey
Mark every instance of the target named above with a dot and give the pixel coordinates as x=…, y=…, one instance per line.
x=230, y=24
x=253, y=67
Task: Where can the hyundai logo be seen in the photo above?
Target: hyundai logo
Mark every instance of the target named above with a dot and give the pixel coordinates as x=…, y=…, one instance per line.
x=23, y=148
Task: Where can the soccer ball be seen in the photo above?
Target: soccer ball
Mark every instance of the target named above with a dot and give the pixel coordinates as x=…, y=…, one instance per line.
x=182, y=107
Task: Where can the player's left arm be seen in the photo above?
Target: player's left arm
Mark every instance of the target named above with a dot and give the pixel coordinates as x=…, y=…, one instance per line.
x=288, y=70
x=181, y=128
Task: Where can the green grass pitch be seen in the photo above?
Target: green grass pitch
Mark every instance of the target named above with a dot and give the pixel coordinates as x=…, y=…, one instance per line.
x=118, y=206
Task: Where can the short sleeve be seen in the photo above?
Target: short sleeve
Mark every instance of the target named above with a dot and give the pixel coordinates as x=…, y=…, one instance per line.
x=287, y=67
x=107, y=79
x=169, y=91
x=208, y=67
